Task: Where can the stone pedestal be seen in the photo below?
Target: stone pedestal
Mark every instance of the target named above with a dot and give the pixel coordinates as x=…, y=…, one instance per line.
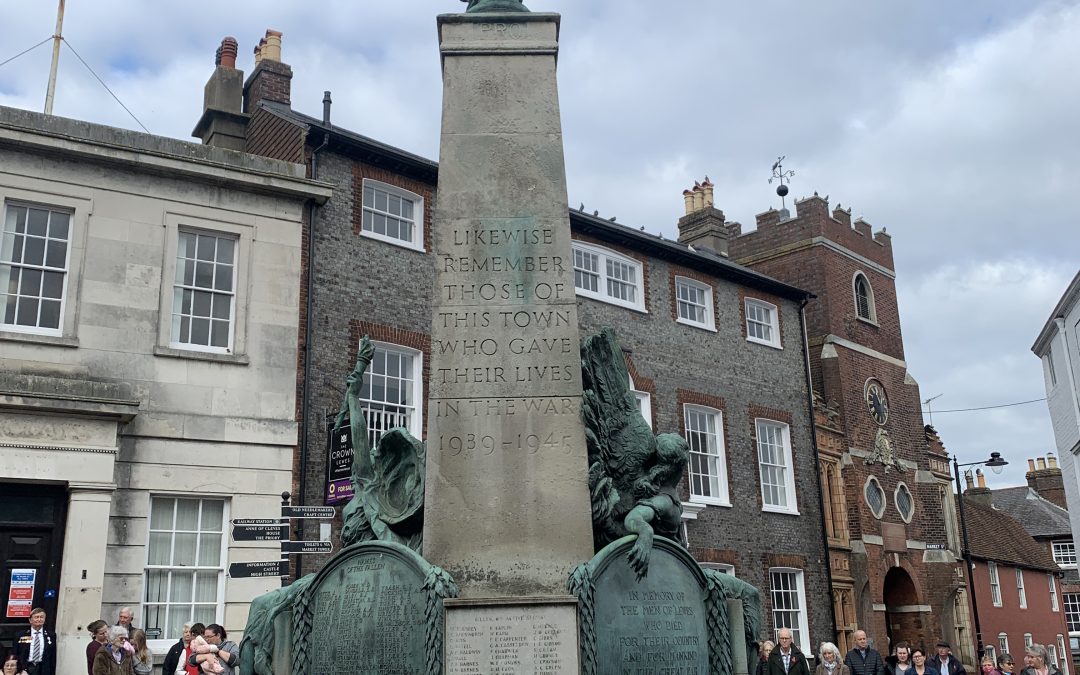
x=507, y=506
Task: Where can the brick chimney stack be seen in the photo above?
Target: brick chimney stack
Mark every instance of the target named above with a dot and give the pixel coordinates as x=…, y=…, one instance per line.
x=703, y=226
x=223, y=123
x=1044, y=477
x=980, y=495
x=271, y=80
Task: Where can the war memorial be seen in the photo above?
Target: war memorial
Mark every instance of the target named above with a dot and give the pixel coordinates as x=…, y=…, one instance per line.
x=537, y=530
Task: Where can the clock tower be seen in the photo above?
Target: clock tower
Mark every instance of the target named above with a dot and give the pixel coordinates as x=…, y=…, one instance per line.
x=890, y=514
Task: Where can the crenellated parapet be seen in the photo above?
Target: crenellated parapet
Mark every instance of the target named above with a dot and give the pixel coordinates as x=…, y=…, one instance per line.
x=778, y=230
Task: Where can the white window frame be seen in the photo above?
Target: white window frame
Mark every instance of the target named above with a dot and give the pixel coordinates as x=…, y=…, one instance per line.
x=1021, y=592
x=79, y=206
x=1052, y=652
x=43, y=268
x=988, y=650
x=244, y=232
x=995, y=584
x=1071, y=602
x=644, y=401
x=884, y=497
x=792, y=506
x=415, y=420
x=870, y=307
x=214, y=293
x=722, y=498
x=1055, y=606
x=1048, y=363
x=803, y=628
x=1027, y=640
x=603, y=256
x=1063, y=551
x=162, y=644
x=902, y=487
x=1003, y=642
x=1064, y=652
x=707, y=308
x=417, y=241
x=723, y=568
x=773, y=323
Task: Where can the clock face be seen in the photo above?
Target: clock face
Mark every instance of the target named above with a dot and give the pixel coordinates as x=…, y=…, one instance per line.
x=877, y=403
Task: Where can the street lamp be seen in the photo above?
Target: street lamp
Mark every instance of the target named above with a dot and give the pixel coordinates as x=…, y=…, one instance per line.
x=995, y=463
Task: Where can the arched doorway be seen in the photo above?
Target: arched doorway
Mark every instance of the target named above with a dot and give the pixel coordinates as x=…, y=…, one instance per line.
x=903, y=615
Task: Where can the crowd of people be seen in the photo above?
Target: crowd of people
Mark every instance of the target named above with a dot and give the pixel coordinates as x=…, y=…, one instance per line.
x=784, y=658
x=121, y=649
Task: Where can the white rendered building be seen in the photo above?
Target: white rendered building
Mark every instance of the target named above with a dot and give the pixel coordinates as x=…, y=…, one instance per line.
x=149, y=297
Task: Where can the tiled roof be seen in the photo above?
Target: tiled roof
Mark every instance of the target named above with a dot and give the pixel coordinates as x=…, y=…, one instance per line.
x=994, y=535
x=1041, y=518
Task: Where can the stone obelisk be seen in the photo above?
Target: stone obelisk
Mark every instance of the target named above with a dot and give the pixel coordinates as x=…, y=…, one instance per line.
x=507, y=508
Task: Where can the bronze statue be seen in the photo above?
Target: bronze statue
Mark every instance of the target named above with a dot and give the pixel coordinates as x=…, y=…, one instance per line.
x=388, y=481
x=477, y=6
x=633, y=475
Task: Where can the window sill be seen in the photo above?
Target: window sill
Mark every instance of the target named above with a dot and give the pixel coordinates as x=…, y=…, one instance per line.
x=38, y=338
x=756, y=341
x=781, y=511
x=699, y=326
x=709, y=501
x=194, y=355
x=400, y=243
x=870, y=322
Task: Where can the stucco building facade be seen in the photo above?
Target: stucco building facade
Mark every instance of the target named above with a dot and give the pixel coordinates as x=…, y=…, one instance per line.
x=149, y=294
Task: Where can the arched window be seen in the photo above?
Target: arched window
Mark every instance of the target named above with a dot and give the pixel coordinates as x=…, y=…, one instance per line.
x=864, y=298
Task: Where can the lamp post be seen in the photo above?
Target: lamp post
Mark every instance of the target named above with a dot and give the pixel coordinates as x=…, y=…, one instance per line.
x=995, y=462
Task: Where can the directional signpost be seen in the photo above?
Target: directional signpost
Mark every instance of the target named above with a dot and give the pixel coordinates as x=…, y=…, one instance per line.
x=266, y=568
x=277, y=529
x=307, y=547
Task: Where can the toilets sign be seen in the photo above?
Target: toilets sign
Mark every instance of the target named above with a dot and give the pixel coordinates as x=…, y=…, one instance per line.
x=21, y=593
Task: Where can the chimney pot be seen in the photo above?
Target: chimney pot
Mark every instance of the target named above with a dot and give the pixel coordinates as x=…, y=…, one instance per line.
x=688, y=200
x=1042, y=463
x=982, y=478
x=226, y=53
x=272, y=47
x=969, y=480
x=1051, y=460
x=326, y=101
x=1031, y=465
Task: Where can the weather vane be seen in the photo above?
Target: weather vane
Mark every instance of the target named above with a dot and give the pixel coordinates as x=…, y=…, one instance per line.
x=779, y=174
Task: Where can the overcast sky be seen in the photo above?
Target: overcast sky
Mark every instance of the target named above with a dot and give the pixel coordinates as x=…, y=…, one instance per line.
x=953, y=125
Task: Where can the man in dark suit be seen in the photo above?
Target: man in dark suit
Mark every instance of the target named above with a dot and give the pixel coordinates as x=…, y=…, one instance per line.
x=785, y=658
x=863, y=659
x=37, y=646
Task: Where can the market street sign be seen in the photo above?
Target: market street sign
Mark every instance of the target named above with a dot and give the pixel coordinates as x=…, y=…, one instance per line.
x=307, y=511
x=263, y=568
x=307, y=547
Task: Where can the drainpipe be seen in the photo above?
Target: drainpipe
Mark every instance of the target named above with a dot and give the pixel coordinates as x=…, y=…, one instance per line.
x=817, y=459
x=305, y=406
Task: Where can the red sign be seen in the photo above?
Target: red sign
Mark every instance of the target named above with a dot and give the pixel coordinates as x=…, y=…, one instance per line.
x=21, y=593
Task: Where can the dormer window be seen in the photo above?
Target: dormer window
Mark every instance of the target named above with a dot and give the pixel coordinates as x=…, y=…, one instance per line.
x=864, y=298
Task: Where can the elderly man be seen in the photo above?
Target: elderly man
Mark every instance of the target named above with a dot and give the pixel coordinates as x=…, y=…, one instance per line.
x=37, y=646
x=785, y=658
x=863, y=659
x=944, y=662
x=125, y=619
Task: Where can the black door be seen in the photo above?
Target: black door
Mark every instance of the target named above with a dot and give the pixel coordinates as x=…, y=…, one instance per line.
x=31, y=538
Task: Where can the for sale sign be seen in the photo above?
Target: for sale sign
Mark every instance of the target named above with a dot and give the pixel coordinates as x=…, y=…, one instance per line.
x=339, y=458
x=21, y=593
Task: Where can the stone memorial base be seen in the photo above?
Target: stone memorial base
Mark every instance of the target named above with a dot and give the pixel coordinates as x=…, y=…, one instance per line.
x=512, y=636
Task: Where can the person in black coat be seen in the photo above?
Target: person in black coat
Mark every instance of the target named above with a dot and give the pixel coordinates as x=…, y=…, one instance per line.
x=944, y=662
x=786, y=659
x=176, y=652
x=863, y=659
x=37, y=646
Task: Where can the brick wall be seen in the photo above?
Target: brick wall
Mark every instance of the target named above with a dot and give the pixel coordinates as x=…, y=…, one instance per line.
x=1038, y=619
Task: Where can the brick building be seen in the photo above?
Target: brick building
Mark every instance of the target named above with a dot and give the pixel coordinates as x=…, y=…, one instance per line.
x=1040, y=508
x=1016, y=581
x=715, y=350
x=890, y=521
